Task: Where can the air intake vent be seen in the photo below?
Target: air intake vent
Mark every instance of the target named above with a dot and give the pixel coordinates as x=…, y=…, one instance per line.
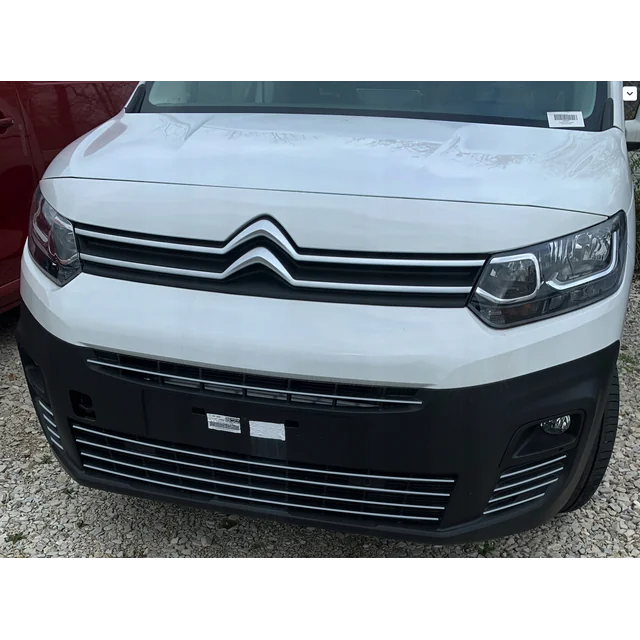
x=246, y=480
x=48, y=423
x=329, y=395
x=519, y=485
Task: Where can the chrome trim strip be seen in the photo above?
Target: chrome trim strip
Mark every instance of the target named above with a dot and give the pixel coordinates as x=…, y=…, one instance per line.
x=247, y=499
x=249, y=387
x=265, y=258
x=44, y=406
x=536, y=466
x=49, y=420
x=254, y=488
x=259, y=464
x=53, y=433
x=258, y=475
x=515, y=504
x=519, y=493
x=513, y=258
x=266, y=229
x=57, y=444
x=519, y=484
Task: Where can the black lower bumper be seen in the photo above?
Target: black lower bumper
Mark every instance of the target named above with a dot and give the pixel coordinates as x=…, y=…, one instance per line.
x=464, y=465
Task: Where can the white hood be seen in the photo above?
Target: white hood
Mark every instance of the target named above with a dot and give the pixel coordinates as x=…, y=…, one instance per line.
x=347, y=155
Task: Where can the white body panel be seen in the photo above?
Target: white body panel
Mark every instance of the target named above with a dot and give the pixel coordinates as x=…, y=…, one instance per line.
x=314, y=221
x=439, y=348
x=334, y=183
x=381, y=157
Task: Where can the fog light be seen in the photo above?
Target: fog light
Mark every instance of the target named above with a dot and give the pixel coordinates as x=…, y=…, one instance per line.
x=557, y=426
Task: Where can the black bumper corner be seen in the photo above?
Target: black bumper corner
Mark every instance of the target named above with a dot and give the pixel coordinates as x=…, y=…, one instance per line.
x=477, y=449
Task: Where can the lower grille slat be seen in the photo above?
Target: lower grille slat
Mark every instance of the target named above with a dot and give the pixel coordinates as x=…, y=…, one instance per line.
x=514, y=504
x=242, y=478
x=286, y=479
x=255, y=488
x=524, y=484
x=519, y=493
x=252, y=499
x=48, y=423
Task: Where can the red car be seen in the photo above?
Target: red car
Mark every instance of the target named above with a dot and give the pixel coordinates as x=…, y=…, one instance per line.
x=37, y=120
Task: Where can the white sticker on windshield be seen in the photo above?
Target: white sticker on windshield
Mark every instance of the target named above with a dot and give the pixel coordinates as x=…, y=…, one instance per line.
x=565, y=119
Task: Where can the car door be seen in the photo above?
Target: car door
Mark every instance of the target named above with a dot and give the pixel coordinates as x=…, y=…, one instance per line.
x=17, y=183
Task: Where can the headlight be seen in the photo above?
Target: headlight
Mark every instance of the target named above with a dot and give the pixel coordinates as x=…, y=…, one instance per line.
x=552, y=277
x=52, y=243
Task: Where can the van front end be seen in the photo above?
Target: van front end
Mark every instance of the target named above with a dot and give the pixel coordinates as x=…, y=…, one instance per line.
x=429, y=370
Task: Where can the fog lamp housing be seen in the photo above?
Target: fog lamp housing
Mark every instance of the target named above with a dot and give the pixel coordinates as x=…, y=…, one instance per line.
x=556, y=426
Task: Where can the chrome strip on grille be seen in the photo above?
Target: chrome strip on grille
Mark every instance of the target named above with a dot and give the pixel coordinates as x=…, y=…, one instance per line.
x=284, y=467
x=49, y=420
x=256, y=475
x=253, y=488
x=518, y=493
x=538, y=477
x=265, y=258
x=266, y=229
x=360, y=494
x=243, y=387
x=535, y=466
x=57, y=444
x=282, y=504
x=48, y=424
x=528, y=479
x=45, y=408
x=53, y=433
x=513, y=504
x=247, y=262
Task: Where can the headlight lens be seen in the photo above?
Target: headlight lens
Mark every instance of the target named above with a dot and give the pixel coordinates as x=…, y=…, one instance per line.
x=552, y=277
x=52, y=242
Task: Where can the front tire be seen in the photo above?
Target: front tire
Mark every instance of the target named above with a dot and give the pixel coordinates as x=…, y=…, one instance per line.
x=601, y=454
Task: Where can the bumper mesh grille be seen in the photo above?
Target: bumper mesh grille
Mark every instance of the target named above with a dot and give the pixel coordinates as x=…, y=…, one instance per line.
x=329, y=395
x=523, y=484
x=245, y=480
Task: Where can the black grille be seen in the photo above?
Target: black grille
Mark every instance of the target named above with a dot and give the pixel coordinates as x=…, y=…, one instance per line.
x=295, y=488
x=329, y=395
x=405, y=280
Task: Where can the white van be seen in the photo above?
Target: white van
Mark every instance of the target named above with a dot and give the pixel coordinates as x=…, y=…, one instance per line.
x=386, y=307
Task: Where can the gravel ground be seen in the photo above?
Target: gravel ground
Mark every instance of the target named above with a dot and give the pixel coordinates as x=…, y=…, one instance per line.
x=45, y=513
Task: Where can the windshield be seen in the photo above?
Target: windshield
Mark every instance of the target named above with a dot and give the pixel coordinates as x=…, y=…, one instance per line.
x=521, y=103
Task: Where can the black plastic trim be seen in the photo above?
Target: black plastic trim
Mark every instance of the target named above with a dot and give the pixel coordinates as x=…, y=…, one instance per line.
x=137, y=100
x=458, y=433
x=607, y=115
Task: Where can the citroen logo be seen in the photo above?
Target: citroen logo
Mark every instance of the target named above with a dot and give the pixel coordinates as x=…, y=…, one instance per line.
x=262, y=228
x=266, y=229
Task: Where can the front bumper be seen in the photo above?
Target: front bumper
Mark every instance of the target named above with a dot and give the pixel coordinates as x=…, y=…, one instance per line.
x=348, y=468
